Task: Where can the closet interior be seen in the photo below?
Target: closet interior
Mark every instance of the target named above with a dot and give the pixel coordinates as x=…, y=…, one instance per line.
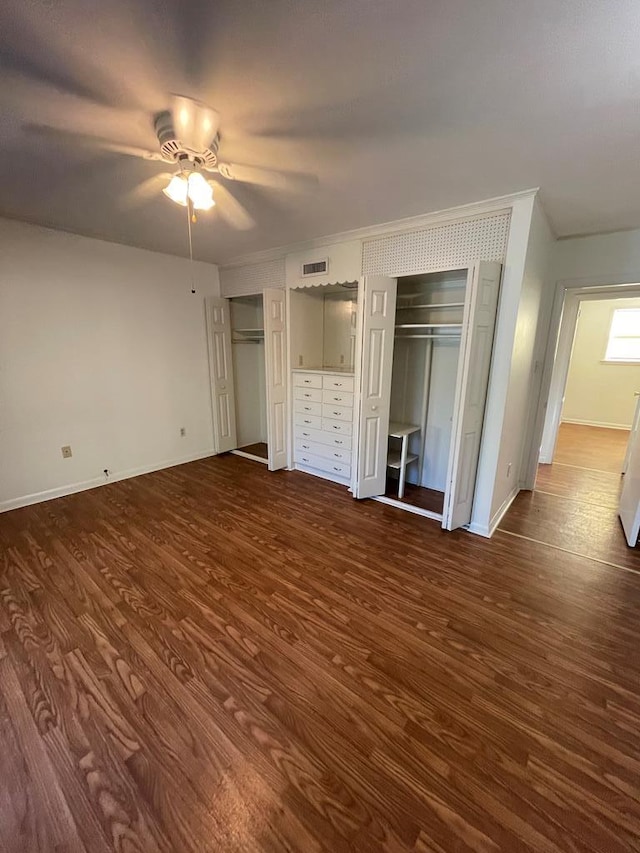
x=249, y=376
x=323, y=326
x=428, y=328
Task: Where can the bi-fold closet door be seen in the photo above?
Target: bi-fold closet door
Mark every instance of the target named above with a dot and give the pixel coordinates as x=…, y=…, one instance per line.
x=377, y=320
x=222, y=378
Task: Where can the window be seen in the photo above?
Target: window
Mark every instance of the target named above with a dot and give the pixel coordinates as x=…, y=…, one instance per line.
x=624, y=336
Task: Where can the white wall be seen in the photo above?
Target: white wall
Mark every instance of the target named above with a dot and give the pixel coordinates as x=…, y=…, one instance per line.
x=597, y=392
x=102, y=347
x=516, y=365
x=610, y=258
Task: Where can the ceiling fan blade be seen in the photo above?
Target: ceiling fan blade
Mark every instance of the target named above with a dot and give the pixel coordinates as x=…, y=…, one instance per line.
x=231, y=209
x=93, y=141
x=195, y=123
x=271, y=178
x=146, y=191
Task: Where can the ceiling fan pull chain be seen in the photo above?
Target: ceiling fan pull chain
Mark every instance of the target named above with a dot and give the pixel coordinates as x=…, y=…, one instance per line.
x=189, y=215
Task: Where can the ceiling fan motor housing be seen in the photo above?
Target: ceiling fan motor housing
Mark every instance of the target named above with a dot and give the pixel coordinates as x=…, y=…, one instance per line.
x=174, y=150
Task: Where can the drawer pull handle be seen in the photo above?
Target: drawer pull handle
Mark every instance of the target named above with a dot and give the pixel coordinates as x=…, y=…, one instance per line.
x=307, y=421
x=338, y=441
x=306, y=434
x=337, y=413
x=304, y=459
x=305, y=446
x=307, y=395
x=338, y=455
x=337, y=468
x=337, y=384
x=307, y=381
x=307, y=408
x=337, y=427
x=337, y=399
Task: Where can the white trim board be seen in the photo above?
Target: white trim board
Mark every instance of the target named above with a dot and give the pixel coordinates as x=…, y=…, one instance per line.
x=602, y=425
x=85, y=485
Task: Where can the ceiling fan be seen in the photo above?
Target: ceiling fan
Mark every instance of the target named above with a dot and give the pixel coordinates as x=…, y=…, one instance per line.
x=188, y=138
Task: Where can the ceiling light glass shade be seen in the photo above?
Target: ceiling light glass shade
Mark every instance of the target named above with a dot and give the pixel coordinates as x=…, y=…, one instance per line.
x=200, y=192
x=176, y=190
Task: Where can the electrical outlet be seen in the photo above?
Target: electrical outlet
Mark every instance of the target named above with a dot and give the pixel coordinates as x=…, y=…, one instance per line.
x=66, y=451
x=509, y=469
x=183, y=431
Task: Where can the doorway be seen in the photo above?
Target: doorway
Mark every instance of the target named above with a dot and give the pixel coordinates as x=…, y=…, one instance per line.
x=591, y=407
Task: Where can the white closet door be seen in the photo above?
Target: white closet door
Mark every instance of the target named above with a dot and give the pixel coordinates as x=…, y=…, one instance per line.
x=221, y=369
x=629, y=507
x=378, y=319
x=275, y=357
x=481, y=303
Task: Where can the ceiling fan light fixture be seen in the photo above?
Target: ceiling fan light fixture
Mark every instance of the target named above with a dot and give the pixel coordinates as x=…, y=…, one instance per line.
x=200, y=192
x=177, y=189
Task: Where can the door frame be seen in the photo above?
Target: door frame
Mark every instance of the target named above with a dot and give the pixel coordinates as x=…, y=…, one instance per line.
x=562, y=325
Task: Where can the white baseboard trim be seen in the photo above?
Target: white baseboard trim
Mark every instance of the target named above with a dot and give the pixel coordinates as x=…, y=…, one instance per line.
x=73, y=488
x=596, y=424
x=488, y=530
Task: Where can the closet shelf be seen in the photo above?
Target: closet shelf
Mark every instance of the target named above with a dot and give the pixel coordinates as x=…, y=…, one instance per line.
x=248, y=332
x=429, y=326
x=394, y=459
x=432, y=305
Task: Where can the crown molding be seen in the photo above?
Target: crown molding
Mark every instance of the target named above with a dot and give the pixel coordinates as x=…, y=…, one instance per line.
x=412, y=223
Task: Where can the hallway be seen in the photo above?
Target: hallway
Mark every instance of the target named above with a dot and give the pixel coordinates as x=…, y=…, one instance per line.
x=574, y=504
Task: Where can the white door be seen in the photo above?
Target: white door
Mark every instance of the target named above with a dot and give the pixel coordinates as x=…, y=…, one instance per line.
x=629, y=508
x=221, y=369
x=481, y=303
x=377, y=322
x=275, y=359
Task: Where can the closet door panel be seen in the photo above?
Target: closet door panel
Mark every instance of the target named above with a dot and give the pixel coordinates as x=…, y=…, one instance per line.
x=471, y=392
x=378, y=301
x=221, y=372
x=276, y=374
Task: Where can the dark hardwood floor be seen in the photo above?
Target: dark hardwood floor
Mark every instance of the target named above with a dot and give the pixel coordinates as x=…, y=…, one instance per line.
x=416, y=495
x=216, y=658
x=260, y=449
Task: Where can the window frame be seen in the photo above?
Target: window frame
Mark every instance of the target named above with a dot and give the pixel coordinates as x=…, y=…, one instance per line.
x=607, y=359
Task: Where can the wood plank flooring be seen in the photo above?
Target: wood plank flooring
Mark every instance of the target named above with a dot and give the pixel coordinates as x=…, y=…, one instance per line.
x=575, y=506
x=216, y=658
x=591, y=447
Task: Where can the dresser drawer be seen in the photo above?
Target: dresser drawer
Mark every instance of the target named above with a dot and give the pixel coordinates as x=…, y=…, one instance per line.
x=307, y=380
x=304, y=420
x=307, y=407
x=306, y=393
x=337, y=468
x=336, y=427
x=338, y=413
x=341, y=398
x=331, y=439
x=339, y=383
x=335, y=454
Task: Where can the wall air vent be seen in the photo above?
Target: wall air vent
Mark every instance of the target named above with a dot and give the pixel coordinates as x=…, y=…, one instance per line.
x=315, y=267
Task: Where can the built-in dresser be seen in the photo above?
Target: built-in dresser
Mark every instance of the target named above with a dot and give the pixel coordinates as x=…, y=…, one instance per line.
x=323, y=423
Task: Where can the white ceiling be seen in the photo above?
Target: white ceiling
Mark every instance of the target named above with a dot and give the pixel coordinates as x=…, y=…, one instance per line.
x=399, y=107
